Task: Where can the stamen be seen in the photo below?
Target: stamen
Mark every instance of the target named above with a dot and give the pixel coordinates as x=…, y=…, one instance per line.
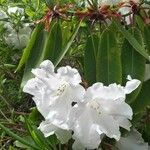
x=94, y=105
x=61, y=89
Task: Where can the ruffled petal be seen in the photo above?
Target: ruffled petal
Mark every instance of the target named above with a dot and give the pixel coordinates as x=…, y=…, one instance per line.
x=123, y=122
x=48, y=66
x=77, y=93
x=41, y=95
x=98, y=90
x=115, y=108
x=107, y=125
x=131, y=85
x=85, y=131
x=60, y=110
x=70, y=75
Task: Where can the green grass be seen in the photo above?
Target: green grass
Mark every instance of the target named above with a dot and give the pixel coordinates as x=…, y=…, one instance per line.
x=12, y=101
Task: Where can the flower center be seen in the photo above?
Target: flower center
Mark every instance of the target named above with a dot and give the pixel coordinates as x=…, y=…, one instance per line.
x=61, y=89
x=94, y=105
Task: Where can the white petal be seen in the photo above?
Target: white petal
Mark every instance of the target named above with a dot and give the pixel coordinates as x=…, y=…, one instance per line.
x=77, y=145
x=116, y=108
x=70, y=75
x=107, y=125
x=3, y=14
x=14, y=10
x=123, y=122
x=48, y=66
x=109, y=2
x=31, y=87
x=98, y=90
x=49, y=80
x=41, y=95
x=77, y=93
x=60, y=111
x=131, y=85
x=63, y=135
x=84, y=129
x=45, y=70
x=49, y=129
x=26, y=30
x=133, y=141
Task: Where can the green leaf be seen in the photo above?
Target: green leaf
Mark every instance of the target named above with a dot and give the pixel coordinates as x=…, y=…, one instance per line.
x=50, y=3
x=133, y=63
x=36, y=56
x=38, y=137
x=143, y=99
x=53, y=44
x=140, y=23
x=147, y=38
x=34, y=115
x=131, y=39
x=68, y=45
x=16, y=137
x=90, y=60
x=28, y=139
x=27, y=50
x=146, y=133
x=108, y=59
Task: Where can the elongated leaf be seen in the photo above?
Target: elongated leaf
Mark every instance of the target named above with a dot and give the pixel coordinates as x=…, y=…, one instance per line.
x=146, y=134
x=38, y=137
x=36, y=56
x=147, y=38
x=132, y=63
x=16, y=137
x=27, y=50
x=90, y=60
x=131, y=39
x=69, y=43
x=140, y=23
x=109, y=59
x=143, y=99
x=28, y=139
x=53, y=43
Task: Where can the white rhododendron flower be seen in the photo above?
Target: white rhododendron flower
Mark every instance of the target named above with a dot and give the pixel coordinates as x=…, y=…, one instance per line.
x=133, y=141
x=66, y=106
x=125, y=10
x=15, y=10
x=3, y=15
x=104, y=2
x=54, y=93
x=102, y=111
x=17, y=39
x=111, y=2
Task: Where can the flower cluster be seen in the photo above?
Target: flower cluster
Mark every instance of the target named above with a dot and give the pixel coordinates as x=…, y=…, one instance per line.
x=15, y=35
x=67, y=106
